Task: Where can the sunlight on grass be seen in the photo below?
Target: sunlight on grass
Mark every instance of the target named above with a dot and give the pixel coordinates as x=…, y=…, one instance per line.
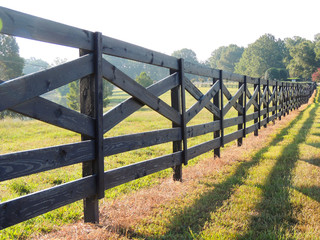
x=272, y=195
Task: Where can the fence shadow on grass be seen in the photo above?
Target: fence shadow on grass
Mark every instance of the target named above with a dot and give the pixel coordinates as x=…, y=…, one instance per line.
x=275, y=217
x=189, y=223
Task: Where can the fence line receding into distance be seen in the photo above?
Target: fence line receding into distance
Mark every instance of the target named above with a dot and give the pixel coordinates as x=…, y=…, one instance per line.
x=270, y=99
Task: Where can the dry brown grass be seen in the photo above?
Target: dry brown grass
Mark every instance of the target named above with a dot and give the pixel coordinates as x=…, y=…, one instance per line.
x=117, y=216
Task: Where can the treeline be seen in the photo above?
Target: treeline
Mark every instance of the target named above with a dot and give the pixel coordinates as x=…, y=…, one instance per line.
x=296, y=58
x=290, y=58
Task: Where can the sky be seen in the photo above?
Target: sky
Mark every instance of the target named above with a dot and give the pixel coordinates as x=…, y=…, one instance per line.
x=169, y=25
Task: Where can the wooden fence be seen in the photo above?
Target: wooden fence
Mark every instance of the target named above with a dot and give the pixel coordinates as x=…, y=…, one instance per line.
x=271, y=100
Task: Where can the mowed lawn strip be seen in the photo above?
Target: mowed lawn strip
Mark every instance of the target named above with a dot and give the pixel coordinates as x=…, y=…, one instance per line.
x=273, y=194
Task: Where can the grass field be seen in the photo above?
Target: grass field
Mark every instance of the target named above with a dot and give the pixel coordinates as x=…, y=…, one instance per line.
x=19, y=135
x=271, y=193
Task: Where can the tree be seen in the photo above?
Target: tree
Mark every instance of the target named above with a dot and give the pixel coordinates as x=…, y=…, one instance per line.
x=264, y=53
x=316, y=76
x=32, y=65
x=317, y=46
x=303, y=60
x=11, y=64
x=225, y=58
x=144, y=80
x=276, y=74
x=73, y=97
x=187, y=54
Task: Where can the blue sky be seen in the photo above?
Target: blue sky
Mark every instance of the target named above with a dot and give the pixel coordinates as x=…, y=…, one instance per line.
x=165, y=25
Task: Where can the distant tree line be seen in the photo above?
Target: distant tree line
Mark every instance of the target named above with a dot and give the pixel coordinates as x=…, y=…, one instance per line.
x=295, y=57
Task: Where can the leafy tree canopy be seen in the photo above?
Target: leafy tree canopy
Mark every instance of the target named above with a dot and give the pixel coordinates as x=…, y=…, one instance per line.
x=144, y=80
x=264, y=53
x=225, y=58
x=32, y=65
x=276, y=74
x=303, y=60
x=187, y=54
x=11, y=64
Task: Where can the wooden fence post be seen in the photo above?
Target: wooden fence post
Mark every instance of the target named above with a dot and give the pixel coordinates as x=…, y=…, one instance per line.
x=274, y=103
x=257, y=99
x=91, y=105
x=265, y=105
x=216, y=102
x=221, y=110
x=284, y=103
x=178, y=103
x=268, y=102
x=176, y=145
x=242, y=103
x=183, y=112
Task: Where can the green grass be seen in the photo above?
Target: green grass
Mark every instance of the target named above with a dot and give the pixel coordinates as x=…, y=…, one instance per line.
x=275, y=194
x=17, y=135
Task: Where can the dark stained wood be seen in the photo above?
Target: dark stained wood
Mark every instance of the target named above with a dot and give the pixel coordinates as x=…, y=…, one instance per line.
x=253, y=98
x=87, y=106
x=200, y=70
x=233, y=136
x=253, y=116
x=183, y=112
x=130, y=86
x=98, y=110
x=134, y=171
x=21, y=89
x=232, y=76
x=202, y=148
x=242, y=103
x=18, y=164
x=177, y=145
x=197, y=130
x=216, y=117
x=221, y=108
x=31, y=27
x=197, y=94
x=252, y=128
x=32, y=205
x=119, y=144
x=44, y=110
x=228, y=95
x=229, y=122
x=129, y=106
x=126, y=50
x=202, y=102
x=233, y=102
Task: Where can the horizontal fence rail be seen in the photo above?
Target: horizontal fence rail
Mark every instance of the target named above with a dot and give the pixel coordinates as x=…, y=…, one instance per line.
x=270, y=101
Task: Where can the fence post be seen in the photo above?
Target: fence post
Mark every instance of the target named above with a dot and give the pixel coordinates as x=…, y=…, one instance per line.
x=216, y=134
x=255, y=109
x=268, y=102
x=178, y=103
x=221, y=110
x=265, y=105
x=176, y=145
x=274, y=104
x=91, y=105
x=284, y=104
x=183, y=113
x=241, y=102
